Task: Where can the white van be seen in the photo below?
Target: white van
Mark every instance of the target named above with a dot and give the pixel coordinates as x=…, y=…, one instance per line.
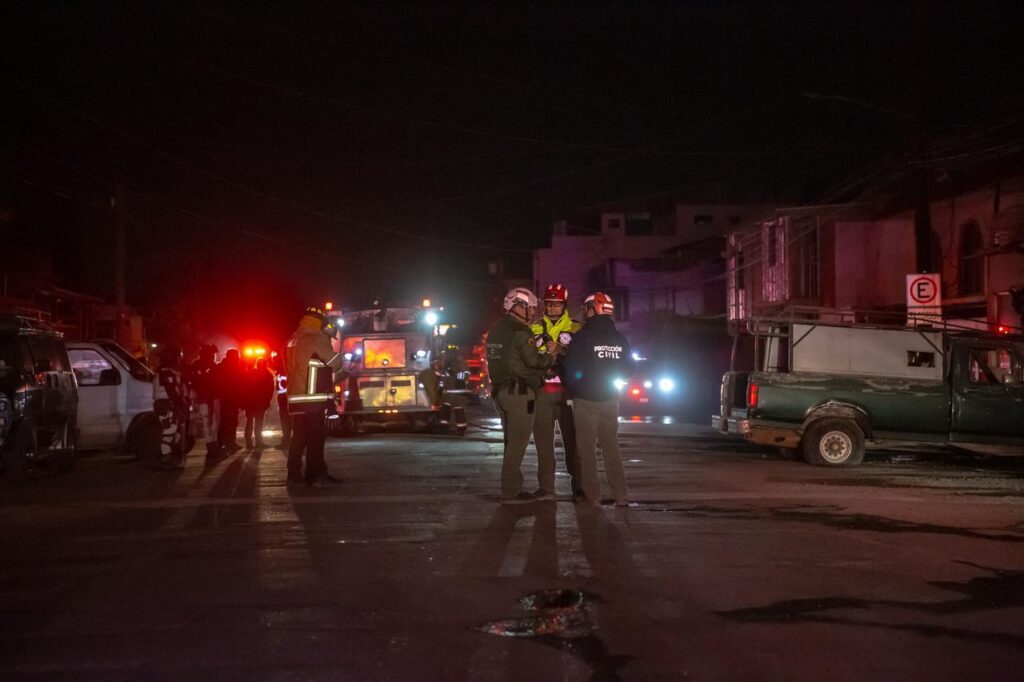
x=115, y=393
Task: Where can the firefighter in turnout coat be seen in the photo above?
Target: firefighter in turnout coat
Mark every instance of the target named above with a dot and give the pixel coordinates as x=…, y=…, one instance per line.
x=311, y=359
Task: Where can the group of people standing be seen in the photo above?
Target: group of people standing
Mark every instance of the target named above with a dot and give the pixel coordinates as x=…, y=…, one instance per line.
x=558, y=370
x=221, y=391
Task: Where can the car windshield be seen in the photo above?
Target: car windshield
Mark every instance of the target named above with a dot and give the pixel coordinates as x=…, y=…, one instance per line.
x=135, y=368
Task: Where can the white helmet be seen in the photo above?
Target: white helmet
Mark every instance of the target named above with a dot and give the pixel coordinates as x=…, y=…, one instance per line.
x=519, y=295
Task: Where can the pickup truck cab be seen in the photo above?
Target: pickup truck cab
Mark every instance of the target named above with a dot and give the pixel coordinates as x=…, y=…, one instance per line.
x=828, y=389
x=115, y=395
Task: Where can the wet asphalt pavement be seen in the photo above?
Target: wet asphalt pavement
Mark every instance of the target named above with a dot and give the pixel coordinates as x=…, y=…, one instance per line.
x=732, y=563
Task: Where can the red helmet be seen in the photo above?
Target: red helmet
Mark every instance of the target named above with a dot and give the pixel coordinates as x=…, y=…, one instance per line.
x=556, y=292
x=602, y=303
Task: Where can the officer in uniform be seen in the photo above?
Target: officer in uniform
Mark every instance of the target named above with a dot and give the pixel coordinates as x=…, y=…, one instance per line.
x=311, y=359
x=553, y=403
x=598, y=356
x=517, y=370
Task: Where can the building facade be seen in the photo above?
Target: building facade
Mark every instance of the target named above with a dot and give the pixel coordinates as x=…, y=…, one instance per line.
x=857, y=257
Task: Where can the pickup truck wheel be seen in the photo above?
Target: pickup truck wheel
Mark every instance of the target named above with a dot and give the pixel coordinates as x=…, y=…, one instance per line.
x=833, y=443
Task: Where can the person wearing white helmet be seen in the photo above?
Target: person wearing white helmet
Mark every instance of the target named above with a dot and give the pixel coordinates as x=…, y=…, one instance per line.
x=516, y=369
x=598, y=358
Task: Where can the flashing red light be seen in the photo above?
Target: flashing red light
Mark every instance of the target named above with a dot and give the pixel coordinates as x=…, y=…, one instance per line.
x=635, y=391
x=752, y=395
x=1002, y=329
x=328, y=306
x=254, y=352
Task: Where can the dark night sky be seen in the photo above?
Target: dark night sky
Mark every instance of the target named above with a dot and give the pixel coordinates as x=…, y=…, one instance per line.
x=282, y=151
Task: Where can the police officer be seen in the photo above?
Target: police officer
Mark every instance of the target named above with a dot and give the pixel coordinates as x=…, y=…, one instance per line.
x=517, y=371
x=599, y=355
x=311, y=359
x=171, y=407
x=553, y=400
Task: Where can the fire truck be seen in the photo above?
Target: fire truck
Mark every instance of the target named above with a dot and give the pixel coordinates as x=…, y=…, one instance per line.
x=384, y=351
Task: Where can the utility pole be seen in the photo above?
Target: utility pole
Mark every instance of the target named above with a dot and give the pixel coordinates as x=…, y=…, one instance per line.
x=119, y=203
x=919, y=172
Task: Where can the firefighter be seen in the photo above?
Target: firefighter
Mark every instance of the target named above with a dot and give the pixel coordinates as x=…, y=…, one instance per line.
x=517, y=371
x=171, y=407
x=311, y=359
x=598, y=356
x=201, y=378
x=553, y=404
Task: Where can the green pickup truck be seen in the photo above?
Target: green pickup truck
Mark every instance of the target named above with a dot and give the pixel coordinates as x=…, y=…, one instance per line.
x=828, y=390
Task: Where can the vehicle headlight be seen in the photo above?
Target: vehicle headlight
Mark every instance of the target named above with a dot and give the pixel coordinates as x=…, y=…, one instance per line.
x=666, y=385
x=619, y=384
x=648, y=384
x=421, y=353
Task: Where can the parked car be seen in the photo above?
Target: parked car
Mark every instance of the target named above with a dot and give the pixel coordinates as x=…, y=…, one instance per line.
x=38, y=397
x=115, y=396
x=827, y=389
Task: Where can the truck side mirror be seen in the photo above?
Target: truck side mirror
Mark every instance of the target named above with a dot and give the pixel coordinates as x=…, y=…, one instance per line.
x=110, y=377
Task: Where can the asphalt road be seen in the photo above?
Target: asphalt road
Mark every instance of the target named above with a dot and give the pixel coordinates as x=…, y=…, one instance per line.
x=731, y=564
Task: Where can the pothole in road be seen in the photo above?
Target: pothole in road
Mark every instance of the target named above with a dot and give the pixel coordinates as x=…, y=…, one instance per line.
x=561, y=619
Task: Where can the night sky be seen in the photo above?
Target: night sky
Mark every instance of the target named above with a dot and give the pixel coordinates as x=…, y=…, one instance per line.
x=278, y=154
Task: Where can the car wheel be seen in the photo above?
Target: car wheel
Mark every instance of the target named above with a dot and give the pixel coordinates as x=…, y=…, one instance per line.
x=833, y=443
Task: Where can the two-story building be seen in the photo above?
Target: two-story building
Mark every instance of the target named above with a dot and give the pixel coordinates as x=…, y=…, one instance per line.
x=856, y=257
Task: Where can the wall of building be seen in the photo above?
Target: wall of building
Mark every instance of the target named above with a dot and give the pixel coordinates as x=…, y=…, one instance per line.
x=871, y=262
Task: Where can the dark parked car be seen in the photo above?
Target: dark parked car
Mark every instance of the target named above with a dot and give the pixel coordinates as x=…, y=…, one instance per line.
x=38, y=397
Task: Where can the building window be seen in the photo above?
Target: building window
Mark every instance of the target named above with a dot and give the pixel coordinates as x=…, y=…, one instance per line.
x=703, y=220
x=614, y=224
x=970, y=277
x=735, y=220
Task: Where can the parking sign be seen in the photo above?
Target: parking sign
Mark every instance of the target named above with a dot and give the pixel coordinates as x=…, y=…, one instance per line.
x=924, y=299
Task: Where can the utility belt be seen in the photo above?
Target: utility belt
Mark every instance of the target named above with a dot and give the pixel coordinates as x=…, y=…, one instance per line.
x=513, y=387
